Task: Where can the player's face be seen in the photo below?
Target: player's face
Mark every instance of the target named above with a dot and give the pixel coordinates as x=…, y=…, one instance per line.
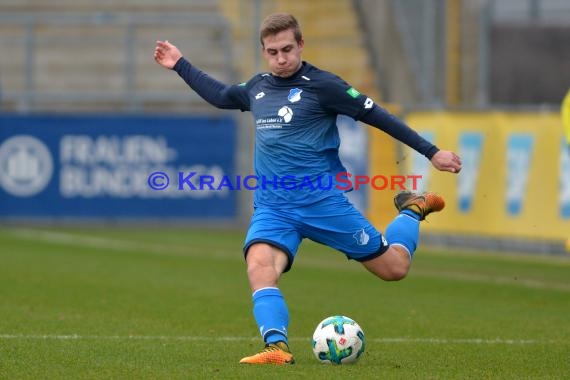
x=283, y=53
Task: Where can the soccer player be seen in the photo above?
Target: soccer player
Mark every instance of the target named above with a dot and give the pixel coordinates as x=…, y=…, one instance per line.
x=294, y=108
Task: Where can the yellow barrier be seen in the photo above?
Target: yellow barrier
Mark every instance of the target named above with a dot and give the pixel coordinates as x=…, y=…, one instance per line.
x=515, y=180
x=383, y=157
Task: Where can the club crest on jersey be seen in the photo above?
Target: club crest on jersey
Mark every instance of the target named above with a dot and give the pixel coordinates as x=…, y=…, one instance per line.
x=294, y=95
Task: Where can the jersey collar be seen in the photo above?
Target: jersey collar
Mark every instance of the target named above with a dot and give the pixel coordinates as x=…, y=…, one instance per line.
x=302, y=71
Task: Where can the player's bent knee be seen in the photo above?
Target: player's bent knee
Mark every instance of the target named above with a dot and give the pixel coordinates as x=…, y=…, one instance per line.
x=259, y=254
x=259, y=259
x=392, y=273
x=265, y=264
x=396, y=273
x=393, y=265
x=261, y=275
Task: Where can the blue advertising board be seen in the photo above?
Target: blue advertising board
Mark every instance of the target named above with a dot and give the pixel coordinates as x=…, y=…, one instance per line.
x=115, y=166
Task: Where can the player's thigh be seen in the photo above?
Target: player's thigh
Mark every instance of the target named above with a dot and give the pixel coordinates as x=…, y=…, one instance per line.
x=336, y=223
x=276, y=228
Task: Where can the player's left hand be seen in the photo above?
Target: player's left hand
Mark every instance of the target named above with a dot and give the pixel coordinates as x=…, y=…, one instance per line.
x=166, y=54
x=446, y=161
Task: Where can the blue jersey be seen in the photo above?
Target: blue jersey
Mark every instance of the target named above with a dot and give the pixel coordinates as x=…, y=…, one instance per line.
x=296, y=158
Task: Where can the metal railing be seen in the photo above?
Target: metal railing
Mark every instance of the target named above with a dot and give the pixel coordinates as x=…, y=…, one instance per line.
x=419, y=35
x=32, y=38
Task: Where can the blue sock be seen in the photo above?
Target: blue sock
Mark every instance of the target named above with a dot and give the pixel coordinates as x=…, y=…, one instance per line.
x=405, y=231
x=271, y=314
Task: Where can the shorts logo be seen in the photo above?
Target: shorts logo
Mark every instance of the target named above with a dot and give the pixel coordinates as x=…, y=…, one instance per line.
x=294, y=95
x=26, y=166
x=361, y=237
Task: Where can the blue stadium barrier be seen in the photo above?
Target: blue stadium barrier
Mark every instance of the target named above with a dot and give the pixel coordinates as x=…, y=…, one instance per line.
x=101, y=166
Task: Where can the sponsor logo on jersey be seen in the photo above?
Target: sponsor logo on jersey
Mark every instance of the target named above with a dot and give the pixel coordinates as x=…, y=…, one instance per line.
x=260, y=95
x=286, y=113
x=353, y=92
x=294, y=95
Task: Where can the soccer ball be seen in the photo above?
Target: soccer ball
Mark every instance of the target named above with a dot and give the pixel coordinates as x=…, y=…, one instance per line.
x=338, y=340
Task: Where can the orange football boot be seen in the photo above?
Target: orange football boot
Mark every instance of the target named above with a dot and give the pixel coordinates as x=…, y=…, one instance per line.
x=422, y=204
x=273, y=353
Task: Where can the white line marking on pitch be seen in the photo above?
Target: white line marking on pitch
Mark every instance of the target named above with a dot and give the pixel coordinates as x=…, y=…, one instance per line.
x=243, y=338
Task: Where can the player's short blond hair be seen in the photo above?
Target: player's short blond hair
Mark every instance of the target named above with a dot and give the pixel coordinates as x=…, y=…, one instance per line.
x=278, y=22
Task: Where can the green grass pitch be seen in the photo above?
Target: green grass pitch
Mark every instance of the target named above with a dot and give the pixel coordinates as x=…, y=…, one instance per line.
x=173, y=303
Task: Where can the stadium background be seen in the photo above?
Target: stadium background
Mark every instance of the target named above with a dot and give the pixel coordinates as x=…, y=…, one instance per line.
x=86, y=113
x=102, y=277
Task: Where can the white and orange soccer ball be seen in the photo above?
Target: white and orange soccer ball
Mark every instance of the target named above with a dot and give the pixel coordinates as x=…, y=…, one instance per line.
x=338, y=340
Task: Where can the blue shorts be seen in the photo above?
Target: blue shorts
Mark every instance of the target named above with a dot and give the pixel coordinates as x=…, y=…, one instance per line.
x=332, y=221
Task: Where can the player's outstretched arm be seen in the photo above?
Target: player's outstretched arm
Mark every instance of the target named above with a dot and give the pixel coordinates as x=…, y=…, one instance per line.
x=213, y=91
x=166, y=54
x=446, y=161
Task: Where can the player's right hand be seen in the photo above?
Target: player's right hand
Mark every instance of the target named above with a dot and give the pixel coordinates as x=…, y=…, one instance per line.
x=166, y=54
x=447, y=161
